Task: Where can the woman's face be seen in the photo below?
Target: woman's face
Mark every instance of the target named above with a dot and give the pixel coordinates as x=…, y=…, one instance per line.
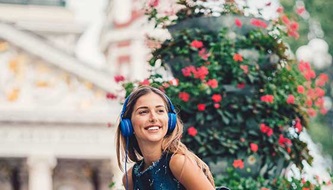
x=150, y=118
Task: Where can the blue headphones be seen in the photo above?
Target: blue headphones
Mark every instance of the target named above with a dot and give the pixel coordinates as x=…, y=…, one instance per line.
x=126, y=127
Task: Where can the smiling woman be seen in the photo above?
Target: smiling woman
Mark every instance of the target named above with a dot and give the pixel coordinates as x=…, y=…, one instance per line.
x=149, y=134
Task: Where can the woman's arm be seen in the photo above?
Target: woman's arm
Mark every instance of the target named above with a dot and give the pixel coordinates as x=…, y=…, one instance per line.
x=188, y=173
x=128, y=185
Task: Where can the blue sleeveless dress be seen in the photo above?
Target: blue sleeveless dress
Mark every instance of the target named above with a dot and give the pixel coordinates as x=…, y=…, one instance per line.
x=158, y=176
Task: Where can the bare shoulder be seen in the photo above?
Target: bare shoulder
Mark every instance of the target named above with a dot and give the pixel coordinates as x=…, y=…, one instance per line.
x=177, y=161
x=188, y=173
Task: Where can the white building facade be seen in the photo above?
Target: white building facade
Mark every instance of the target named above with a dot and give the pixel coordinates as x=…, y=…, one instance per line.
x=57, y=128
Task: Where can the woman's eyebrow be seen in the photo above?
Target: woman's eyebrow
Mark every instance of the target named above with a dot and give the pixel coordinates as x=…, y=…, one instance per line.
x=146, y=107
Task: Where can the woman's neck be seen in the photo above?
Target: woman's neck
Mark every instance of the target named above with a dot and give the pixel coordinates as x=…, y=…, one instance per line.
x=151, y=153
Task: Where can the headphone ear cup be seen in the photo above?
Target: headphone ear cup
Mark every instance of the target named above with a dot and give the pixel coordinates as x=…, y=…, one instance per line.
x=172, y=122
x=126, y=127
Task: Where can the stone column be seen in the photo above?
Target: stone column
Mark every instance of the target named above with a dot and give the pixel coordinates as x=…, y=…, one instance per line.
x=122, y=11
x=40, y=171
x=139, y=58
x=117, y=175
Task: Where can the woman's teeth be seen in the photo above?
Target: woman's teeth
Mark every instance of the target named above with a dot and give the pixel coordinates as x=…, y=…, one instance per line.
x=153, y=128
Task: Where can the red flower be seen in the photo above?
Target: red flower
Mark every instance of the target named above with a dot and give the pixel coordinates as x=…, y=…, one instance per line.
x=184, y=96
x=284, y=142
x=216, y=98
x=145, y=82
x=192, y=131
x=111, y=96
x=290, y=99
x=201, y=72
x=241, y=85
x=213, y=83
x=196, y=44
x=201, y=107
x=267, y=98
x=238, y=164
x=216, y=105
x=238, y=57
x=266, y=129
x=258, y=23
x=187, y=71
x=264, y=188
x=300, y=89
x=238, y=23
x=119, y=78
x=298, y=125
x=254, y=147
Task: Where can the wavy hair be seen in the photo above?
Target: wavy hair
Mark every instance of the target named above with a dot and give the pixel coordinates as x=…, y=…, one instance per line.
x=171, y=142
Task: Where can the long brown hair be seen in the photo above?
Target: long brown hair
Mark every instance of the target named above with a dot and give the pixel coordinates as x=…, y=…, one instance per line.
x=171, y=142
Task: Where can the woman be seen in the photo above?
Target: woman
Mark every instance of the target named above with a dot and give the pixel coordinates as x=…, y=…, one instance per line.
x=149, y=134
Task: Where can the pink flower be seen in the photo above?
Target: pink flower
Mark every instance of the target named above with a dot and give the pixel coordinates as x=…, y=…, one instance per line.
x=300, y=89
x=290, y=99
x=312, y=112
x=279, y=10
x=238, y=23
x=245, y=68
x=267, y=98
x=192, y=131
x=203, y=54
x=201, y=107
x=153, y=3
x=213, y=83
x=217, y=106
x=238, y=57
x=300, y=10
x=196, y=44
x=238, y=164
x=217, y=98
x=254, y=147
x=258, y=23
x=322, y=79
x=184, y=96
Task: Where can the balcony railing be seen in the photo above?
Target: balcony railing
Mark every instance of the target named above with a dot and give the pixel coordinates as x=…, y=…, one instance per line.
x=61, y=3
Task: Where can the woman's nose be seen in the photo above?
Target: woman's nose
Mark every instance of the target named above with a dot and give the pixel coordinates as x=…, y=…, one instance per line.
x=152, y=117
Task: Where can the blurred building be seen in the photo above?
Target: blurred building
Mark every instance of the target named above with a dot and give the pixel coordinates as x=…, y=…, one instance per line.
x=56, y=124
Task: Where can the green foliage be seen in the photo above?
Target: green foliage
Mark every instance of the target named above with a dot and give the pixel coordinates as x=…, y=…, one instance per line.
x=233, y=180
x=239, y=94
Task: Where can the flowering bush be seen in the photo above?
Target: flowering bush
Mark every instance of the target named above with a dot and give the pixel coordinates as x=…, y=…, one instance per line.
x=240, y=94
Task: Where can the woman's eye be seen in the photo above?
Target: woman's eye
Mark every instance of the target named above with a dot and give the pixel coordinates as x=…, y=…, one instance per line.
x=161, y=111
x=143, y=112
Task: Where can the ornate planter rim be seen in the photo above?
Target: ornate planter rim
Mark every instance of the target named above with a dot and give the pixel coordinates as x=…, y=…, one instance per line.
x=215, y=24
